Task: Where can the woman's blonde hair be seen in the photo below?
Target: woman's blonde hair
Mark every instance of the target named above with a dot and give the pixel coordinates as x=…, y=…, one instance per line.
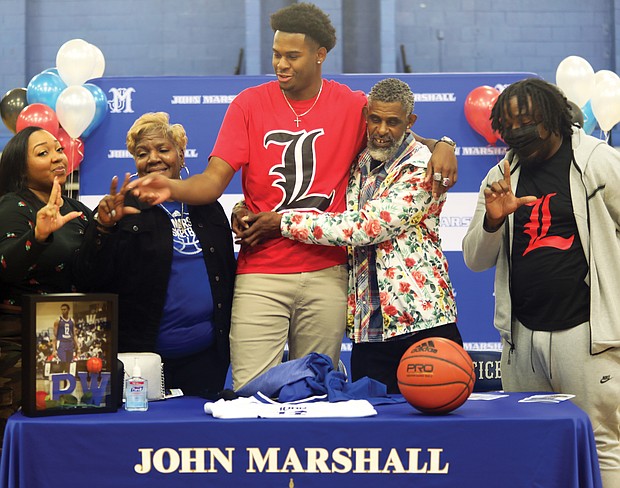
x=156, y=123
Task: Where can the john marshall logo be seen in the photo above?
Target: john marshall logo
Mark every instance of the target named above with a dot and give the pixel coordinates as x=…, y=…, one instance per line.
x=121, y=100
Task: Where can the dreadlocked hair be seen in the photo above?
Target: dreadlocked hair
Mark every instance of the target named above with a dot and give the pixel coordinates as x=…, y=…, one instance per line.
x=308, y=19
x=548, y=105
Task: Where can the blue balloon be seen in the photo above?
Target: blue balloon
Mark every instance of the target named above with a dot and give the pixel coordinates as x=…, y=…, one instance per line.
x=589, y=121
x=45, y=88
x=101, y=107
x=51, y=70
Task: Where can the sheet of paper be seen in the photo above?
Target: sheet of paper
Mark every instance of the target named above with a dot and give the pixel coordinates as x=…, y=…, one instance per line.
x=547, y=398
x=486, y=396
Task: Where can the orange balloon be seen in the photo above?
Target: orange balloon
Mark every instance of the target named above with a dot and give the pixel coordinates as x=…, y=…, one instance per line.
x=478, y=106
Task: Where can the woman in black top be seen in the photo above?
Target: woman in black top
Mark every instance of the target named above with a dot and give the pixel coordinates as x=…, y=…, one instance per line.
x=40, y=231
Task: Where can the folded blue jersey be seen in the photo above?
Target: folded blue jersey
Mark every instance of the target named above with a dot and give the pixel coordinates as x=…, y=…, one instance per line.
x=314, y=375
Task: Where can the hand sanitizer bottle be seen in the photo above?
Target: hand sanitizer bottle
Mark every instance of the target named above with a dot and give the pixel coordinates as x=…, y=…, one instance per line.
x=136, y=389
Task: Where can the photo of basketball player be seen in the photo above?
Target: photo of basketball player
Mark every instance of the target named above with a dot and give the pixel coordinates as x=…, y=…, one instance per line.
x=64, y=343
x=71, y=355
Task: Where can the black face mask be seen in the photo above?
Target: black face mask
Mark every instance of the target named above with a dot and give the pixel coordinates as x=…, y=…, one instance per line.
x=525, y=141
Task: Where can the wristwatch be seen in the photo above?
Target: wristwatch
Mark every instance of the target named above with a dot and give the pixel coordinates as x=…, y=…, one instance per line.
x=447, y=140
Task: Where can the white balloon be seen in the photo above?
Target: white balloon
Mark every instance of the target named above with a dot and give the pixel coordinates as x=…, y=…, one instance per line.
x=99, y=67
x=575, y=77
x=75, y=109
x=605, y=75
x=75, y=61
x=606, y=104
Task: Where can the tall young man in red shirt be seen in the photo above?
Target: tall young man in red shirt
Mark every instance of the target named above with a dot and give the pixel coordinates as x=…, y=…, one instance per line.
x=294, y=140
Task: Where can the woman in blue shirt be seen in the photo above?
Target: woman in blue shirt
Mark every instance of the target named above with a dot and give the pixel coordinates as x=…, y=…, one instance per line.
x=172, y=265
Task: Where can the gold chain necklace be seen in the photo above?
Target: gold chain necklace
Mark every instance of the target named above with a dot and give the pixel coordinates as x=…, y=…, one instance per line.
x=297, y=116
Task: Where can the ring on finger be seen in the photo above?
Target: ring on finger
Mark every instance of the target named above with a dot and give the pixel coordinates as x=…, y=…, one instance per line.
x=445, y=182
x=437, y=176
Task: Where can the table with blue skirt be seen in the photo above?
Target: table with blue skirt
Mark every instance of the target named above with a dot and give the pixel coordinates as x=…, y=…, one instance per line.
x=498, y=443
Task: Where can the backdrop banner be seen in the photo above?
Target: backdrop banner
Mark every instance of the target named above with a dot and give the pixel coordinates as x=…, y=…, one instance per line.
x=199, y=103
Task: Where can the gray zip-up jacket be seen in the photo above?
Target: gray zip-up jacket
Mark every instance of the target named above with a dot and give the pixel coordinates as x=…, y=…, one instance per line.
x=595, y=193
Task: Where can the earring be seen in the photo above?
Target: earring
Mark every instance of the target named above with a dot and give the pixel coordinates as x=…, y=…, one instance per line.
x=318, y=62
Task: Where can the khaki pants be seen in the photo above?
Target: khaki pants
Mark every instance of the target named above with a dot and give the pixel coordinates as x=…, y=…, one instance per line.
x=560, y=361
x=307, y=309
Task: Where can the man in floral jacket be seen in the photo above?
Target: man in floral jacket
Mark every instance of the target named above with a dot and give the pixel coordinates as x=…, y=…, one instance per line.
x=399, y=288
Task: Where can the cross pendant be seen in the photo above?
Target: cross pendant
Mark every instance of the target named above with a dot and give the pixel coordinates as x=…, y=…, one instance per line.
x=297, y=121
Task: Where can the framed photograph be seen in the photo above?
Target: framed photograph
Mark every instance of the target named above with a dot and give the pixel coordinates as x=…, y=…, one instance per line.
x=69, y=361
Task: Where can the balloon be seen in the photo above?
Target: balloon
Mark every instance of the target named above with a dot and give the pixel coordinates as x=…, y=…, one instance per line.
x=45, y=88
x=40, y=115
x=589, y=121
x=51, y=70
x=99, y=66
x=575, y=77
x=604, y=75
x=74, y=149
x=75, y=108
x=478, y=105
x=75, y=61
x=606, y=104
x=13, y=102
x=101, y=107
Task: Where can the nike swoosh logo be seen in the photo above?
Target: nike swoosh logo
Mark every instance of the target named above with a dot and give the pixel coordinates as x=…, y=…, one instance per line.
x=605, y=379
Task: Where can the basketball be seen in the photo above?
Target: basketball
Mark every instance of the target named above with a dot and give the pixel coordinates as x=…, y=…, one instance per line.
x=94, y=365
x=436, y=375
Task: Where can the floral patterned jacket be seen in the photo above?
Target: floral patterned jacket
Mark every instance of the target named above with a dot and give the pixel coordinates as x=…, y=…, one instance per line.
x=402, y=220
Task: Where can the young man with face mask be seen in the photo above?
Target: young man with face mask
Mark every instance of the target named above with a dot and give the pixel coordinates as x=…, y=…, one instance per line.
x=547, y=219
